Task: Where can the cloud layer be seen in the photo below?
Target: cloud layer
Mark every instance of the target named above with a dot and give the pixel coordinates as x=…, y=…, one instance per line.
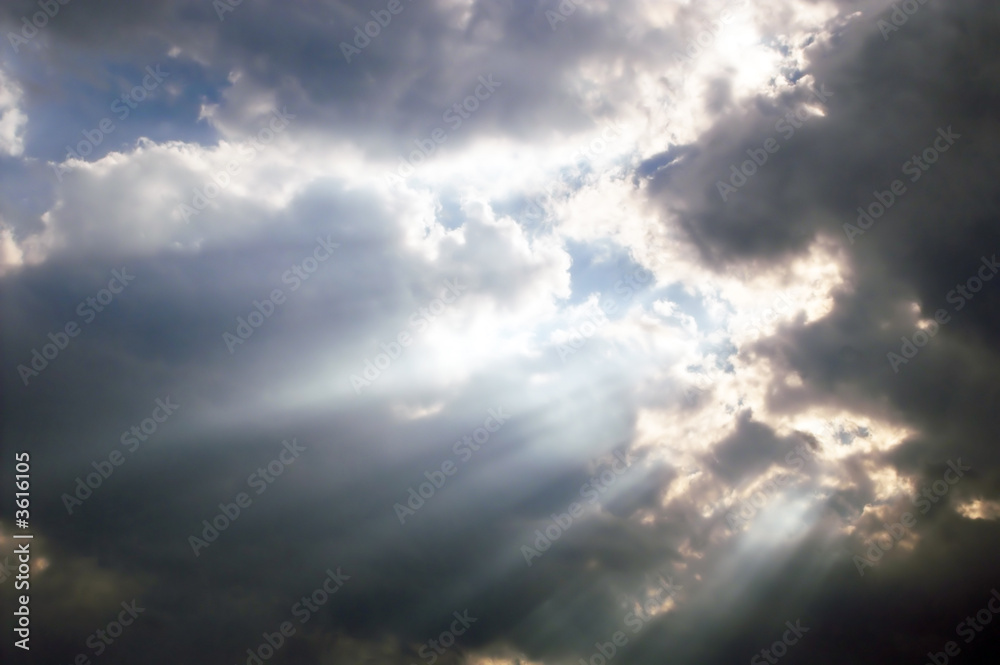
x=526, y=323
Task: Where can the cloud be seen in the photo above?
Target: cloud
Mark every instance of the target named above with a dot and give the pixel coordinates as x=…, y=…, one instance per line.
x=733, y=347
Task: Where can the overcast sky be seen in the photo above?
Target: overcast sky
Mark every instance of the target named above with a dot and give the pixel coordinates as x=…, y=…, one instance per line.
x=535, y=332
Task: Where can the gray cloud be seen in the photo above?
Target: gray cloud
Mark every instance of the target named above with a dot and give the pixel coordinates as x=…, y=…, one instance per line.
x=818, y=375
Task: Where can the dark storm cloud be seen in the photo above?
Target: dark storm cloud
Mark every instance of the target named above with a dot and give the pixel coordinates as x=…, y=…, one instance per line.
x=161, y=337
x=399, y=87
x=750, y=450
x=890, y=98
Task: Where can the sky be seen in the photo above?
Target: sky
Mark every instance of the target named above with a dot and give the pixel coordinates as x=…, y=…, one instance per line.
x=499, y=332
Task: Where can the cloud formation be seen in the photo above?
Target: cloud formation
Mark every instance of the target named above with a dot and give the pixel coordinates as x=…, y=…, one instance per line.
x=641, y=238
